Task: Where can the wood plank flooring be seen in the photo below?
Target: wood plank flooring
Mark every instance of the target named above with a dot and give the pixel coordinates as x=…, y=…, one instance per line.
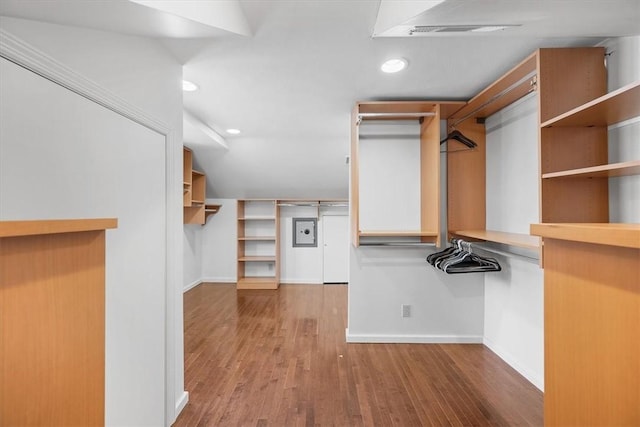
x=279, y=358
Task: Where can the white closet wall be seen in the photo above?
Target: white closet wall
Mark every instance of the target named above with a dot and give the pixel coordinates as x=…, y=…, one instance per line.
x=513, y=305
x=623, y=67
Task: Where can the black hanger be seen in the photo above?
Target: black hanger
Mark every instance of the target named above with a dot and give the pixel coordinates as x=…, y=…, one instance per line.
x=458, y=136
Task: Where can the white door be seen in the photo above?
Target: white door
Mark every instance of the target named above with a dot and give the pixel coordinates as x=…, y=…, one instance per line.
x=335, y=235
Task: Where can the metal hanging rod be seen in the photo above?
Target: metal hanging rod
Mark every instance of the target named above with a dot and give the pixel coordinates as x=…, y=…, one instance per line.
x=399, y=244
x=399, y=116
x=532, y=77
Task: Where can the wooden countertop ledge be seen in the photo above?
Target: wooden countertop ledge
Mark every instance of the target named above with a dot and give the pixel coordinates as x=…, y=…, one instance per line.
x=613, y=234
x=54, y=226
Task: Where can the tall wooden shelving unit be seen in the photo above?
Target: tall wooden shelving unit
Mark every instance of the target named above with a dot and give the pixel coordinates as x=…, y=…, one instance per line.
x=564, y=78
x=429, y=113
x=258, y=244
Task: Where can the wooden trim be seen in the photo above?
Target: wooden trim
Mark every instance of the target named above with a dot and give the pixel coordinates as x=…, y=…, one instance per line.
x=614, y=107
x=512, y=239
x=53, y=226
x=446, y=107
x=354, y=181
x=614, y=234
x=430, y=173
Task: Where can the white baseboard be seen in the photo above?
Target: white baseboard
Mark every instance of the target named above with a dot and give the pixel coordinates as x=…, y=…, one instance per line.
x=533, y=377
x=192, y=285
x=219, y=279
x=412, y=338
x=182, y=402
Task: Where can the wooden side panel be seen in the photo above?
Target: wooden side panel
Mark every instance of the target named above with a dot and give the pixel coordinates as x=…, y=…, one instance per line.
x=276, y=267
x=466, y=181
x=592, y=325
x=52, y=329
x=568, y=78
x=430, y=175
x=354, y=187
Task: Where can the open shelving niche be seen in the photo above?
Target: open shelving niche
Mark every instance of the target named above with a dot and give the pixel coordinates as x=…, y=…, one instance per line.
x=195, y=208
x=429, y=114
x=258, y=244
x=564, y=78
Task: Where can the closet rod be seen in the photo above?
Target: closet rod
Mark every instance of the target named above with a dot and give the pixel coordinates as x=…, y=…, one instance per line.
x=534, y=259
x=398, y=244
x=399, y=116
x=533, y=82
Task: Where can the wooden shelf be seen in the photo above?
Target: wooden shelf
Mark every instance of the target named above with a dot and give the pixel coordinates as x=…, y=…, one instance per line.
x=614, y=107
x=54, y=226
x=257, y=218
x=512, y=239
x=614, y=234
x=257, y=259
x=604, y=171
x=397, y=233
x=258, y=238
x=257, y=283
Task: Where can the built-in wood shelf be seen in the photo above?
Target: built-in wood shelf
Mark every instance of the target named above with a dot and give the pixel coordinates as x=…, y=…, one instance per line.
x=257, y=218
x=605, y=171
x=614, y=107
x=257, y=259
x=614, y=234
x=513, y=85
x=512, y=239
x=258, y=238
x=257, y=283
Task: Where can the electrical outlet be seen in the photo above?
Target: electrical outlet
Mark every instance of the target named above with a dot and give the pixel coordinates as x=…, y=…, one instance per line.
x=406, y=310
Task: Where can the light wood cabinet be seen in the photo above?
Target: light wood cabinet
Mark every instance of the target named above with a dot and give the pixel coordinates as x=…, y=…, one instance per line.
x=591, y=323
x=195, y=209
x=52, y=322
x=258, y=244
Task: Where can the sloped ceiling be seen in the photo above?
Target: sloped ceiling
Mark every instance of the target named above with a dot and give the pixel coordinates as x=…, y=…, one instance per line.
x=290, y=86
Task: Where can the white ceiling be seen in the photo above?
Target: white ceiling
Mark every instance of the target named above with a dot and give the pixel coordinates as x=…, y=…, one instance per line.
x=290, y=86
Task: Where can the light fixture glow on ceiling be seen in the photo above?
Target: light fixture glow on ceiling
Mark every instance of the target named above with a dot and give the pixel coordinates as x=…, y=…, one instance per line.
x=394, y=65
x=233, y=131
x=188, y=86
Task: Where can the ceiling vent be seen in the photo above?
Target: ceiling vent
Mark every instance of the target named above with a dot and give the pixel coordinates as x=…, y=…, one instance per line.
x=428, y=29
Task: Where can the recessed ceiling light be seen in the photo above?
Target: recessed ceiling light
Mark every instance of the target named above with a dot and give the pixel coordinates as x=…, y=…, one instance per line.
x=394, y=65
x=188, y=86
x=233, y=131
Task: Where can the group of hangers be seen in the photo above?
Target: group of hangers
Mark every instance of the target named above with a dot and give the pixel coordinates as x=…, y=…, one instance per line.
x=459, y=258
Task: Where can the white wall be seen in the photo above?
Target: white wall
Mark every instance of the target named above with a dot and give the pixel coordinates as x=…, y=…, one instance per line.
x=303, y=265
x=444, y=308
x=513, y=308
x=84, y=160
x=623, y=66
x=192, y=255
x=219, y=243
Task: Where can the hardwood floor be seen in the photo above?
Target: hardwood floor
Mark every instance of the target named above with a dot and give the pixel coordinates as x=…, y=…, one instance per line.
x=279, y=358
